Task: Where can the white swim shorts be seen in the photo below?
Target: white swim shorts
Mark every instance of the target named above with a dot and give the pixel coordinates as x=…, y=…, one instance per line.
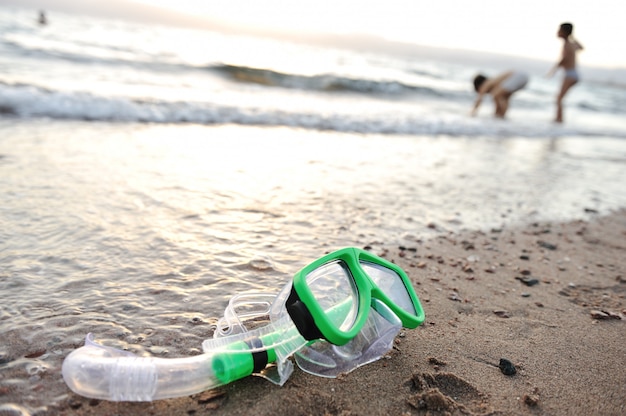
x=515, y=82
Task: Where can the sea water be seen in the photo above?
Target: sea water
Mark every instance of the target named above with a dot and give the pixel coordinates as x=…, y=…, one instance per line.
x=149, y=173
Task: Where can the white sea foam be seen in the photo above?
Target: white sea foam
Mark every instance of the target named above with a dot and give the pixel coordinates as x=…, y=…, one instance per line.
x=28, y=101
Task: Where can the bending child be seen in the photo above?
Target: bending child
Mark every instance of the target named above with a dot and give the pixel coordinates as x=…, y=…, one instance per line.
x=501, y=89
x=568, y=62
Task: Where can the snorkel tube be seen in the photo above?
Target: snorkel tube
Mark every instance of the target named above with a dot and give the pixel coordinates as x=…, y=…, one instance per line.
x=107, y=373
x=234, y=352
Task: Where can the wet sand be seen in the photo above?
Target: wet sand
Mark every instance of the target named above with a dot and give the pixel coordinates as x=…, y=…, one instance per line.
x=565, y=334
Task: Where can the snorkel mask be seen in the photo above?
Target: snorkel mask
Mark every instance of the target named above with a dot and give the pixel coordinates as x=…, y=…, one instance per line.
x=338, y=313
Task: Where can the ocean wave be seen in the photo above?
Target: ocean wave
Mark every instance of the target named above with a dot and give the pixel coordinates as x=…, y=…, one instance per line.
x=116, y=56
x=109, y=57
x=273, y=78
x=599, y=106
x=324, y=82
x=28, y=101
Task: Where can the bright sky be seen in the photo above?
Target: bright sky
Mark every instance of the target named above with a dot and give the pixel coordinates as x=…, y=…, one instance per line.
x=515, y=27
x=526, y=28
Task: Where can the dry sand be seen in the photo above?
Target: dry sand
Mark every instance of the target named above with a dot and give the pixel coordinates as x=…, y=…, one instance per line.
x=566, y=336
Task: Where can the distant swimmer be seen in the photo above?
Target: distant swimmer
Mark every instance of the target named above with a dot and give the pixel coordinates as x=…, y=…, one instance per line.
x=42, y=18
x=568, y=63
x=501, y=89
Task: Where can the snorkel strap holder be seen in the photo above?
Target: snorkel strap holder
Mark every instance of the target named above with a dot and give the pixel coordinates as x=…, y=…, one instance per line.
x=301, y=317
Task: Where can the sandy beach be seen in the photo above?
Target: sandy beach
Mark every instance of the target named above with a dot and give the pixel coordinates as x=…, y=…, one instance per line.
x=549, y=298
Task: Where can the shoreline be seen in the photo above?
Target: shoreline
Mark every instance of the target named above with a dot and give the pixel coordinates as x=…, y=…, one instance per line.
x=564, y=335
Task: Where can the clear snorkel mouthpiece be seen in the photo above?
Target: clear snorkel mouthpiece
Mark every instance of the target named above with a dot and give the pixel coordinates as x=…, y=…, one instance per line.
x=107, y=373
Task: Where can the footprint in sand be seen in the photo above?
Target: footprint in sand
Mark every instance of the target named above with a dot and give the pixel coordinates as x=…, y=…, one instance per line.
x=446, y=392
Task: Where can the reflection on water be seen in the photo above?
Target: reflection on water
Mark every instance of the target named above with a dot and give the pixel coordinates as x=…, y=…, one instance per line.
x=140, y=234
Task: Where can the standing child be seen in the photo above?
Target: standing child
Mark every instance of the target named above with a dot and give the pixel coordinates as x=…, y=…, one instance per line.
x=568, y=62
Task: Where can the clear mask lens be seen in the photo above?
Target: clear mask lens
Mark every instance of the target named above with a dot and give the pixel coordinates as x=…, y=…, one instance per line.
x=391, y=284
x=335, y=291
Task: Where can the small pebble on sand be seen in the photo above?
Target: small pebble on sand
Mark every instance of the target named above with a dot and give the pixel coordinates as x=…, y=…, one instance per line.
x=507, y=367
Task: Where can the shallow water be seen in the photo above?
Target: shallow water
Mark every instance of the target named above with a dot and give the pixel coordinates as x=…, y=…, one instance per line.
x=141, y=233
